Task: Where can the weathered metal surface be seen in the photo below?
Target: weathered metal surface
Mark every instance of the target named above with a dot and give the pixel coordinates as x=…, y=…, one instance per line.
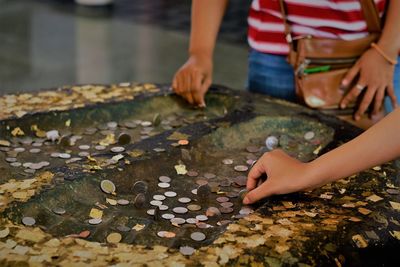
x=351, y=222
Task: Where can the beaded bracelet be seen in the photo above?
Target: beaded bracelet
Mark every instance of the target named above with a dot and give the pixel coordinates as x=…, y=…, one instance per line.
x=383, y=54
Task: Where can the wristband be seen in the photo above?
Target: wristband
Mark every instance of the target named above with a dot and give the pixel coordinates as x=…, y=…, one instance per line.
x=383, y=54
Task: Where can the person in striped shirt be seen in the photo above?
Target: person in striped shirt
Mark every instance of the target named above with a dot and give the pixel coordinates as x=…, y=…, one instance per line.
x=269, y=71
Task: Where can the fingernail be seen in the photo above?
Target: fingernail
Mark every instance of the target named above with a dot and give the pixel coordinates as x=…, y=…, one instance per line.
x=345, y=82
x=342, y=106
x=246, y=200
x=357, y=117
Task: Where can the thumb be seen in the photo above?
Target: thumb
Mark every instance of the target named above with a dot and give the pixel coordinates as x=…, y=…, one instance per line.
x=264, y=190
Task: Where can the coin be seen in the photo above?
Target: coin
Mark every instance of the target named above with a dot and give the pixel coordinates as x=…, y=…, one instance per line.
x=222, y=199
x=158, y=149
x=227, y=161
x=112, y=125
x=11, y=160
x=99, y=147
x=194, y=207
x=225, y=183
x=203, y=225
x=166, y=234
x=150, y=212
x=164, y=179
x=107, y=186
x=170, y=194
x=83, y=154
x=168, y=216
x=232, y=194
x=123, y=202
x=95, y=221
x=65, y=155
x=191, y=220
x=180, y=210
x=139, y=201
x=28, y=221
x=194, y=191
x=123, y=228
x=164, y=185
x=155, y=203
x=55, y=155
x=192, y=173
x=117, y=149
x=163, y=207
x=183, y=142
x=209, y=175
x=16, y=164
x=243, y=193
x=84, y=147
x=226, y=204
x=201, y=181
x=252, y=149
x=212, y=211
x=201, y=218
x=309, y=135
x=226, y=210
x=114, y=238
x=241, y=168
x=59, y=211
x=177, y=220
x=140, y=187
x=35, y=150
x=224, y=222
x=124, y=139
x=37, y=144
x=184, y=200
x=159, y=197
x=198, y=236
x=186, y=250
x=240, y=180
x=130, y=125
x=246, y=211
x=146, y=123
x=19, y=149
x=84, y=234
x=271, y=142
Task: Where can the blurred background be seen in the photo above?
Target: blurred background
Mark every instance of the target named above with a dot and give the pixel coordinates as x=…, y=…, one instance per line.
x=50, y=43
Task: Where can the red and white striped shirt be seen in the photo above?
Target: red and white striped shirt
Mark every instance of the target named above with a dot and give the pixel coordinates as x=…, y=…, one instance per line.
x=336, y=19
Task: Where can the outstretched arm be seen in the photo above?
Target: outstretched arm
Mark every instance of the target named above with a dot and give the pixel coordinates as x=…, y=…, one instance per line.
x=377, y=145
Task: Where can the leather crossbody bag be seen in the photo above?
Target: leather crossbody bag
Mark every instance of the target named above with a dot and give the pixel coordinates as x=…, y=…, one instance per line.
x=320, y=64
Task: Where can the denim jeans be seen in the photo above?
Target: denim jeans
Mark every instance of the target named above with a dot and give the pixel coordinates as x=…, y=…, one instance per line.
x=272, y=75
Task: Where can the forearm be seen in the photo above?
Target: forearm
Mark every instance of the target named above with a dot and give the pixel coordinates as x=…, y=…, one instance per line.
x=379, y=144
x=390, y=39
x=206, y=20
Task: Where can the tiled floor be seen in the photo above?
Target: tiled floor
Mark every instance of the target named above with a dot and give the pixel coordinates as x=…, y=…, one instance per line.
x=50, y=43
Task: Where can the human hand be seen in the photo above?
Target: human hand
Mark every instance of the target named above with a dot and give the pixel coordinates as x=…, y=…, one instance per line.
x=193, y=79
x=285, y=175
x=376, y=75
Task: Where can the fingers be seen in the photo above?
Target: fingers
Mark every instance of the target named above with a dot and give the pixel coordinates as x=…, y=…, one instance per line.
x=351, y=74
x=379, y=96
x=354, y=92
x=392, y=95
x=196, y=87
x=264, y=190
x=352, y=95
x=366, y=101
x=255, y=172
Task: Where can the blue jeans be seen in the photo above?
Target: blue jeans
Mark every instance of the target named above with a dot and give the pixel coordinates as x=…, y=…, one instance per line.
x=272, y=75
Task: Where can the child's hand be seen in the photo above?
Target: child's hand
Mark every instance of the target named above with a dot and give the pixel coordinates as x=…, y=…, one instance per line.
x=285, y=175
x=193, y=79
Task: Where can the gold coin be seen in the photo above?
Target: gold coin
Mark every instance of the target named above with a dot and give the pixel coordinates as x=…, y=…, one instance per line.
x=114, y=238
x=107, y=186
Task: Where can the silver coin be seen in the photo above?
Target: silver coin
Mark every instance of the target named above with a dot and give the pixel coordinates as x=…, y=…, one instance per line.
x=163, y=207
x=130, y=125
x=193, y=207
x=35, y=150
x=65, y=156
x=123, y=228
x=19, y=149
x=150, y=212
x=198, y=236
x=227, y=161
x=201, y=218
x=83, y=154
x=99, y=147
x=186, y=250
x=309, y=135
x=164, y=179
x=95, y=221
x=222, y=199
x=146, y=123
x=55, y=155
x=170, y=194
x=246, y=211
x=203, y=225
x=177, y=220
x=158, y=149
x=11, y=160
x=194, y=191
x=226, y=204
x=37, y=144
x=123, y=202
x=155, y=203
x=164, y=185
x=30, y=171
x=140, y=187
x=84, y=147
x=191, y=220
x=184, y=200
x=16, y=164
x=28, y=221
x=271, y=142
x=59, y=211
x=241, y=168
x=72, y=160
x=35, y=166
x=112, y=125
x=180, y=210
x=209, y=175
x=168, y=216
x=117, y=149
x=159, y=197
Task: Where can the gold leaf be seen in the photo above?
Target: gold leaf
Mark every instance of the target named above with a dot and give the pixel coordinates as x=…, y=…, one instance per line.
x=4, y=143
x=180, y=169
x=35, y=235
x=360, y=241
x=395, y=205
x=17, y=132
x=176, y=136
x=374, y=198
x=135, y=153
x=5, y=232
x=138, y=227
x=96, y=213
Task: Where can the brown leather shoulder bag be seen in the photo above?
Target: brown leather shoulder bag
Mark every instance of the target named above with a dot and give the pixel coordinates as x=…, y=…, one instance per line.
x=320, y=64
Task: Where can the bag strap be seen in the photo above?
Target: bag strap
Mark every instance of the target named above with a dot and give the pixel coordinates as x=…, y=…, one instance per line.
x=369, y=9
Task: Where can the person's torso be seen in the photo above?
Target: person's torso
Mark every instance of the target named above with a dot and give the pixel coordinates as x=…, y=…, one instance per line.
x=335, y=19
